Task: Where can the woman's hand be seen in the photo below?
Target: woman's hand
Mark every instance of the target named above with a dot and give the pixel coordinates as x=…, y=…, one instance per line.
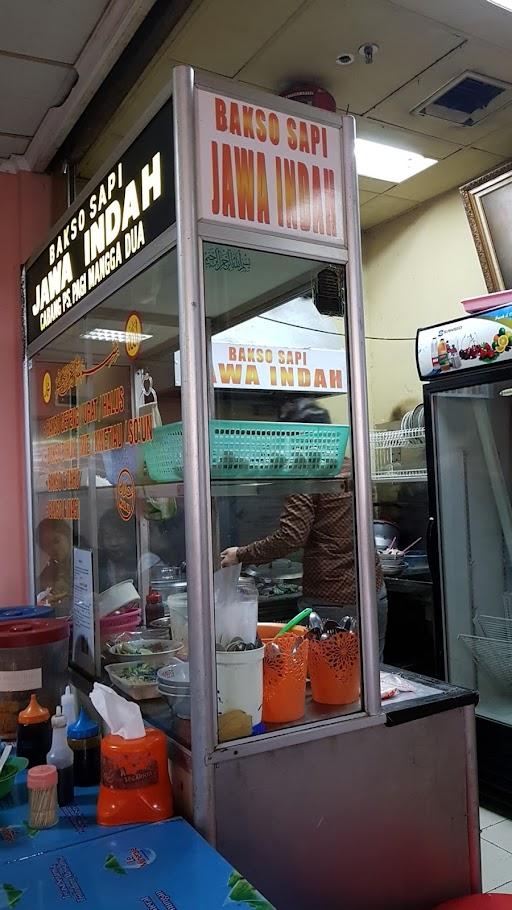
x=229, y=557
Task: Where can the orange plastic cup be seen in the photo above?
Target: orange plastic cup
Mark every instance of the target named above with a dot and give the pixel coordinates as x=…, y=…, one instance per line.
x=284, y=680
x=334, y=669
x=135, y=785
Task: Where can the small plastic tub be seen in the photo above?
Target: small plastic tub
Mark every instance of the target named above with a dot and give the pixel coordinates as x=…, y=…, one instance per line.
x=12, y=767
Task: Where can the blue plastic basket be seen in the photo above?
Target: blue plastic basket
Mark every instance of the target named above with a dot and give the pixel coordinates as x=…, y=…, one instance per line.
x=248, y=450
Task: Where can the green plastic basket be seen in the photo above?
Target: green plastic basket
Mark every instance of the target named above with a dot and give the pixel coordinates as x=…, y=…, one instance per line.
x=248, y=450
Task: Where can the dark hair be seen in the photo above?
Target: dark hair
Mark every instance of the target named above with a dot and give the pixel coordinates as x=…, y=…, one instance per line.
x=304, y=410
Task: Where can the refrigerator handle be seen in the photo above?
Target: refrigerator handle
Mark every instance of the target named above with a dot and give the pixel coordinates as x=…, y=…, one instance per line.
x=431, y=541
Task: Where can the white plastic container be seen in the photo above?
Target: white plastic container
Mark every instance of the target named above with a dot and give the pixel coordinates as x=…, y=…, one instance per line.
x=240, y=682
x=178, y=612
x=239, y=618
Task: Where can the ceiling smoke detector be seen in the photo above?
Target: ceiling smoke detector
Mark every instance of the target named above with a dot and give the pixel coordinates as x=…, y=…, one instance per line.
x=368, y=51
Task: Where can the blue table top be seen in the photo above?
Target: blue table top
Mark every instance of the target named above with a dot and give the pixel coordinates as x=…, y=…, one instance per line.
x=163, y=866
x=77, y=824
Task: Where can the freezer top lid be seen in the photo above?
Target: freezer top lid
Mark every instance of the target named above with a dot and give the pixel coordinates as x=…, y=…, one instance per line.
x=469, y=343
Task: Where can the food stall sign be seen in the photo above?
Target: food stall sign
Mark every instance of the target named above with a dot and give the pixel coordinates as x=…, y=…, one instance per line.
x=131, y=206
x=267, y=170
x=247, y=366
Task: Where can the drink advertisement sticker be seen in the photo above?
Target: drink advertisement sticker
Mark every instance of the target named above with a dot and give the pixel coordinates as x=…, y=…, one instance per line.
x=269, y=171
x=165, y=866
x=469, y=342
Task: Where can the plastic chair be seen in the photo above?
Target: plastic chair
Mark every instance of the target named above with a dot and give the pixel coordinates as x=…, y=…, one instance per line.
x=478, y=902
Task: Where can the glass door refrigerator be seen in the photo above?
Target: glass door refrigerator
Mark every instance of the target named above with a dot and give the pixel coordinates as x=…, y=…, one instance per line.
x=467, y=365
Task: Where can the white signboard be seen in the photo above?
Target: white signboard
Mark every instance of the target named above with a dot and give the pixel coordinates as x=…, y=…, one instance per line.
x=83, y=609
x=245, y=366
x=267, y=170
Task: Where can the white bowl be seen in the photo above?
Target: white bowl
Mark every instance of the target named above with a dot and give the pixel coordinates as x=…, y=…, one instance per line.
x=116, y=597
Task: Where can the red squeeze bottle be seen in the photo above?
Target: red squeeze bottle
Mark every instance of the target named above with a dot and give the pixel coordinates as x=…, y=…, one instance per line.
x=135, y=785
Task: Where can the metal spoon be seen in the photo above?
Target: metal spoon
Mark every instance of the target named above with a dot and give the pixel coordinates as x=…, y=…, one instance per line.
x=314, y=621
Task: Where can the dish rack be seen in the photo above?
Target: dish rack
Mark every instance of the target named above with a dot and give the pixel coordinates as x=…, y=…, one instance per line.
x=398, y=455
x=247, y=450
x=492, y=649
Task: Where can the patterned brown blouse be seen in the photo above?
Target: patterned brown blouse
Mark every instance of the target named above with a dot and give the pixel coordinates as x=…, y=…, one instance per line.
x=323, y=525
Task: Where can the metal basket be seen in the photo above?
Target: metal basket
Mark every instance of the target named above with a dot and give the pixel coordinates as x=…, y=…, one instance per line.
x=493, y=655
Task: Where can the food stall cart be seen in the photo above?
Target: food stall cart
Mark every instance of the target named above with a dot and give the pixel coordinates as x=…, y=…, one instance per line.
x=232, y=211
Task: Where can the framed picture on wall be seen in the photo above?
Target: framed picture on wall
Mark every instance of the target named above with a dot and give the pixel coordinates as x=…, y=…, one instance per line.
x=488, y=204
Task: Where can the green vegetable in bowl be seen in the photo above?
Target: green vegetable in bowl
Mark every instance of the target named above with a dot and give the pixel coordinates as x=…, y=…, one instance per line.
x=138, y=673
x=136, y=648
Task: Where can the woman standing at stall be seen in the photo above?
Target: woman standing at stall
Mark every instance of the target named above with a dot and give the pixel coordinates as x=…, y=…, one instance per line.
x=322, y=524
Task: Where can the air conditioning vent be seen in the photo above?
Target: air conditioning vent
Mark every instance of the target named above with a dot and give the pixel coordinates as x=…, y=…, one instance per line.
x=466, y=100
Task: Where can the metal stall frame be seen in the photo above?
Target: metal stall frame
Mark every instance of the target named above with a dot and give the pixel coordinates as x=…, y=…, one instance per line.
x=189, y=234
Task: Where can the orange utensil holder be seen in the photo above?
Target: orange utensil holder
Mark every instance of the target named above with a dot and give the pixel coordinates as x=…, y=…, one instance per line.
x=334, y=669
x=284, y=680
x=135, y=785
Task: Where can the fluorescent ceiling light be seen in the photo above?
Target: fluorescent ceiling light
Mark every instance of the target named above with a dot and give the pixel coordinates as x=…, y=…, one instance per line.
x=114, y=335
x=385, y=162
x=505, y=4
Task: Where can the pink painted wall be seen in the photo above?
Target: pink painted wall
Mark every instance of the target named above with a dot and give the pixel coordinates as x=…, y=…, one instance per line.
x=28, y=207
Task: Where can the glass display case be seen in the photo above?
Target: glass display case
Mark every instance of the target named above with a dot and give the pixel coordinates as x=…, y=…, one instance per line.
x=153, y=417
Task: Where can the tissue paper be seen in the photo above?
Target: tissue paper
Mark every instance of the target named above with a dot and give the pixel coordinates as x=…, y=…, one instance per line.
x=122, y=717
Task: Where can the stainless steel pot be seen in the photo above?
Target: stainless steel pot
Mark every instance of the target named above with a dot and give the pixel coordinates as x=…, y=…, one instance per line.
x=384, y=532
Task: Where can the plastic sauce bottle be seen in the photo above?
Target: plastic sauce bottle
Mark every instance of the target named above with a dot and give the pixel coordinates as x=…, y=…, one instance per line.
x=84, y=739
x=62, y=757
x=34, y=733
x=68, y=706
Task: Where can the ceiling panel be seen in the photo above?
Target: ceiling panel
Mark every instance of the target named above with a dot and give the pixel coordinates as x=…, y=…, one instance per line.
x=471, y=17
x=221, y=37
x=365, y=197
x=499, y=142
x=453, y=171
x=308, y=47
x=39, y=85
x=12, y=145
x=377, y=131
x=476, y=56
x=383, y=208
x=50, y=29
x=371, y=185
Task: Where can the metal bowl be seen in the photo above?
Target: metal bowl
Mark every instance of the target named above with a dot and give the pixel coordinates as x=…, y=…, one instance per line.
x=384, y=532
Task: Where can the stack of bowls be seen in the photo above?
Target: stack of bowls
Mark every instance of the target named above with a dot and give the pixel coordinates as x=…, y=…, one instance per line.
x=174, y=684
x=392, y=565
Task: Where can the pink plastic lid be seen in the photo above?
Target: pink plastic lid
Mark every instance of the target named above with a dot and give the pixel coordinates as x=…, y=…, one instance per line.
x=42, y=777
